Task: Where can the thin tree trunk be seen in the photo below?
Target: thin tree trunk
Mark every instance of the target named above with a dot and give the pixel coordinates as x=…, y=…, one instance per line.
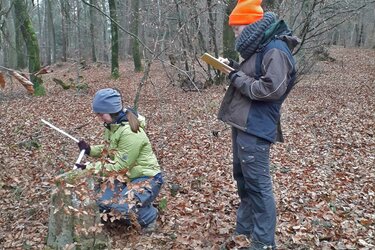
x=52, y=32
x=211, y=23
x=92, y=32
x=105, y=51
x=64, y=39
x=228, y=35
x=47, y=41
x=78, y=35
x=114, y=42
x=184, y=43
x=135, y=30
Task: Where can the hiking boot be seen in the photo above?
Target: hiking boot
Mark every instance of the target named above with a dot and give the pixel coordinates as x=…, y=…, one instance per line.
x=150, y=228
x=259, y=246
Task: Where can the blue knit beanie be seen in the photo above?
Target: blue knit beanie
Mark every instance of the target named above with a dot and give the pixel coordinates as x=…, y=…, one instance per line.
x=107, y=101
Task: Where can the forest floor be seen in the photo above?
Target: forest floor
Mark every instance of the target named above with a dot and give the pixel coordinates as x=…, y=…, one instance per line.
x=323, y=173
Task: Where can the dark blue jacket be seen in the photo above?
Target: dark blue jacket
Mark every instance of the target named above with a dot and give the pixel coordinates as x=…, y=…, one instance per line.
x=253, y=100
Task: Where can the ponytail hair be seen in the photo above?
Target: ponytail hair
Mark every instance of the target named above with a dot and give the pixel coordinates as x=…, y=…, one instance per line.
x=132, y=117
x=133, y=121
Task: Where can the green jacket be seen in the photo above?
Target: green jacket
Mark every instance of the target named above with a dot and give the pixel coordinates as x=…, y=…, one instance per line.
x=126, y=150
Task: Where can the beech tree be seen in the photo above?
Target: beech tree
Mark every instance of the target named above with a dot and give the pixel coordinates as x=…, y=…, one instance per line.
x=114, y=39
x=135, y=43
x=32, y=46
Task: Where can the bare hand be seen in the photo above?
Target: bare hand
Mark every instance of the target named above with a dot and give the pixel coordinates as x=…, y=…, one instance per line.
x=224, y=60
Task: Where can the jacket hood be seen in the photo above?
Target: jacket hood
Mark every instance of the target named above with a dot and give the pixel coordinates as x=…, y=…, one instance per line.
x=291, y=41
x=280, y=30
x=123, y=120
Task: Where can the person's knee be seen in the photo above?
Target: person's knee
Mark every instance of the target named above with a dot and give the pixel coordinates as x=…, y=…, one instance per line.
x=260, y=186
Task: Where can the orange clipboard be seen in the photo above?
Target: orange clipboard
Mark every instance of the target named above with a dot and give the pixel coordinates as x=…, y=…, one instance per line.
x=214, y=62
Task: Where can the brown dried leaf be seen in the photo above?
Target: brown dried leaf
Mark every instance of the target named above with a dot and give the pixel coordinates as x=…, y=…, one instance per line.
x=237, y=242
x=2, y=81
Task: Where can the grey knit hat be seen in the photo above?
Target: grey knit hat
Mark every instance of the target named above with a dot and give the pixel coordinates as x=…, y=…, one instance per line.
x=107, y=101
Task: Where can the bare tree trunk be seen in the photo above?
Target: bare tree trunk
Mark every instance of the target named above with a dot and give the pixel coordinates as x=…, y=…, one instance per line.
x=360, y=35
x=105, y=36
x=372, y=33
x=271, y=5
x=92, y=32
x=211, y=22
x=31, y=44
x=46, y=31
x=7, y=34
x=79, y=33
x=64, y=38
x=114, y=41
x=52, y=32
x=183, y=38
x=20, y=44
x=135, y=29
x=228, y=35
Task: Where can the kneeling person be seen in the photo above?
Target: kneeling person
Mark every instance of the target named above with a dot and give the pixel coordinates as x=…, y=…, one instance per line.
x=129, y=152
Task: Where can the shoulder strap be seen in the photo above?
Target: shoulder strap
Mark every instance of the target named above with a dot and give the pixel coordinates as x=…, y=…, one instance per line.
x=258, y=64
x=274, y=43
x=259, y=59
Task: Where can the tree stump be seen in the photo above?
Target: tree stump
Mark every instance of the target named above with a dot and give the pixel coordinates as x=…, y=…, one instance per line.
x=74, y=219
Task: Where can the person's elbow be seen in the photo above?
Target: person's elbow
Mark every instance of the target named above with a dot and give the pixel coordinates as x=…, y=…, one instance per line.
x=269, y=90
x=278, y=90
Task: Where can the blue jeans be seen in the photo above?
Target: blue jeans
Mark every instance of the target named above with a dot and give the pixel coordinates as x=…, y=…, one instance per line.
x=256, y=215
x=113, y=198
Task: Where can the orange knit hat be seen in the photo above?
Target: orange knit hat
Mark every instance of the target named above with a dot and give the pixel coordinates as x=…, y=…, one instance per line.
x=246, y=12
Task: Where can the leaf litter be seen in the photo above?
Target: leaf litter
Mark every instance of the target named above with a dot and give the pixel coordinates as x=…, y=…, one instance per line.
x=323, y=174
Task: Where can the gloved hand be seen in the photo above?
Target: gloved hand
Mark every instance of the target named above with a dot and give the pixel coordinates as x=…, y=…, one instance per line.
x=232, y=75
x=84, y=146
x=80, y=166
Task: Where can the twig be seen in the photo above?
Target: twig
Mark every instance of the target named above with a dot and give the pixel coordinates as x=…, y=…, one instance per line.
x=119, y=26
x=81, y=126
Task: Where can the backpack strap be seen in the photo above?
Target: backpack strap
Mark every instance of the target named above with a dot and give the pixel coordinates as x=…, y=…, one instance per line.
x=262, y=51
x=258, y=63
x=258, y=73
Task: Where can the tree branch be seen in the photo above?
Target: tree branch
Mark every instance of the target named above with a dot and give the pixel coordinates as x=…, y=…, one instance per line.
x=119, y=26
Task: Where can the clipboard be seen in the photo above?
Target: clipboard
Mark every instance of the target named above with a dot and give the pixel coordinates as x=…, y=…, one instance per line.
x=214, y=62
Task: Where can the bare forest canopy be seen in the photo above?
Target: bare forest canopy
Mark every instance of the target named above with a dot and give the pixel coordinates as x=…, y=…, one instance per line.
x=175, y=32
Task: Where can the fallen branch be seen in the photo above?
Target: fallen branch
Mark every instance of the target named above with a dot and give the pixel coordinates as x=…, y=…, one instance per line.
x=29, y=86
x=61, y=83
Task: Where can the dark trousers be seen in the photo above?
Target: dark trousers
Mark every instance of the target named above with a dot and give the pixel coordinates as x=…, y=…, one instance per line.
x=115, y=198
x=256, y=215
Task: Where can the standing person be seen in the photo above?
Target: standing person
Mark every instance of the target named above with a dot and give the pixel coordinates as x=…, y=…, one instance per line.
x=251, y=105
x=130, y=152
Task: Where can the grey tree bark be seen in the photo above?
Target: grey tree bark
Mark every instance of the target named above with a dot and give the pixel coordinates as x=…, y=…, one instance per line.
x=20, y=44
x=114, y=40
x=135, y=30
x=64, y=36
x=92, y=31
